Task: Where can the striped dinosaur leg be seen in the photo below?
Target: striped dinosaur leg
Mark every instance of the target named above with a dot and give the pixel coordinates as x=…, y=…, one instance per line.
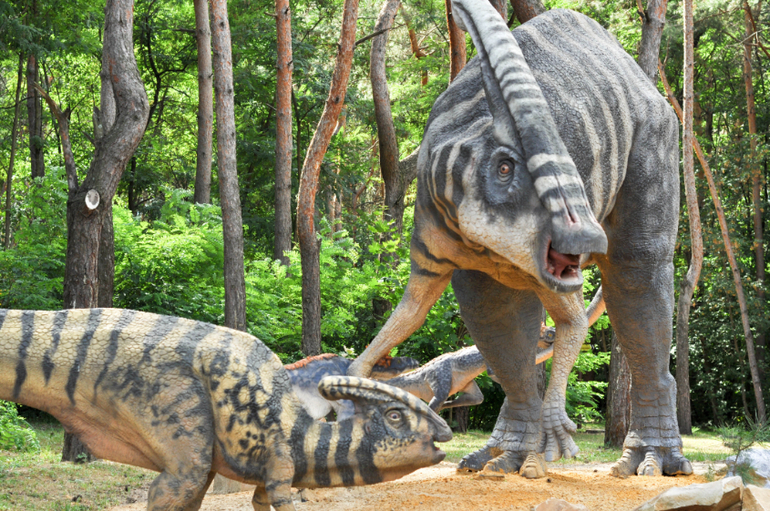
x=502, y=322
x=169, y=492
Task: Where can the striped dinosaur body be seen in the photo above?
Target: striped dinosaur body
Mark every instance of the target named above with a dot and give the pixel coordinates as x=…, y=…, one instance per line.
x=189, y=399
x=550, y=151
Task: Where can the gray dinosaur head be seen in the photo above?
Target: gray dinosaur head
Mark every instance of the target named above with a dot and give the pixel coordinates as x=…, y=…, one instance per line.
x=399, y=429
x=523, y=197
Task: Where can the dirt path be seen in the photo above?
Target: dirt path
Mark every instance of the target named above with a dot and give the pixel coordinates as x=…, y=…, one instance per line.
x=440, y=488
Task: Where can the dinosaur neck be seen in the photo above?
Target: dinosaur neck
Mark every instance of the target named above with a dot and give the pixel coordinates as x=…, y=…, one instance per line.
x=333, y=454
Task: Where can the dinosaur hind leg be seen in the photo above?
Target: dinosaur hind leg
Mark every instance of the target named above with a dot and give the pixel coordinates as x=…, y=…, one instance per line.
x=179, y=493
x=505, y=325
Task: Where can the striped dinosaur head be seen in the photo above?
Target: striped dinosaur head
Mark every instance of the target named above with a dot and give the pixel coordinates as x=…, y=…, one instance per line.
x=397, y=430
x=520, y=194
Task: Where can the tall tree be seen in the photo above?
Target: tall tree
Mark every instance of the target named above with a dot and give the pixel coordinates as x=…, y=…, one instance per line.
x=90, y=201
x=202, y=193
x=34, y=116
x=618, y=397
x=386, y=132
x=11, y=160
x=687, y=285
x=457, y=50
x=653, y=21
x=308, y=186
x=761, y=414
x=750, y=40
x=229, y=193
x=283, y=138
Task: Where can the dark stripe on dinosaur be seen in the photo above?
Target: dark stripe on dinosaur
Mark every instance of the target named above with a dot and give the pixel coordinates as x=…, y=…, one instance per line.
x=460, y=166
x=297, y=442
x=422, y=248
x=341, y=460
x=365, y=458
x=157, y=333
x=416, y=269
x=321, y=455
x=189, y=341
x=27, y=326
x=94, y=318
x=126, y=317
x=59, y=319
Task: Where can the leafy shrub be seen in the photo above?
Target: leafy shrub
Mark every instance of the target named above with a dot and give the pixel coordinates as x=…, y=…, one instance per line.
x=15, y=433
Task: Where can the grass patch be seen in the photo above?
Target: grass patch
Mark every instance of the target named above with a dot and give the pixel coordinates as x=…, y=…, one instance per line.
x=39, y=481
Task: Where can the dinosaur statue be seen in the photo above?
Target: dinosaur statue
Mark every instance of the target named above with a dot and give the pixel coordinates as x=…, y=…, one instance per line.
x=189, y=399
x=550, y=151
x=306, y=374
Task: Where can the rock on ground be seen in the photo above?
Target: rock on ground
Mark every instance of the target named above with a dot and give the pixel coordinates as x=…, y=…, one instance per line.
x=720, y=495
x=756, y=498
x=758, y=461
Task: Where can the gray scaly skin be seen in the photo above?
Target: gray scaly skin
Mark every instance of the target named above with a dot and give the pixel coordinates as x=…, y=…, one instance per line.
x=550, y=151
x=190, y=399
x=306, y=374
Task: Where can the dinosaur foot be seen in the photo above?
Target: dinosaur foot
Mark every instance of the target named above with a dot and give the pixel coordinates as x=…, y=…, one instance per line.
x=475, y=461
x=651, y=461
x=530, y=465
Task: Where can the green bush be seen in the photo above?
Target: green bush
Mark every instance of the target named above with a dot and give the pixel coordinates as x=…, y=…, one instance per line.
x=15, y=433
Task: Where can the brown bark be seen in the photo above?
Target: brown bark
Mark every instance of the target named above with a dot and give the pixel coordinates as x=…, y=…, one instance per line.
x=457, y=50
x=618, y=397
x=34, y=119
x=283, y=138
x=89, y=204
x=687, y=285
x=9, y=176
x=229, y=194
x=414, y=44
x=761, y=415
x=653, y=20
x=308, y=187
x=756, y=172
x=386, y=133
x=205, y=104
x=525, y=10
x=501, y=6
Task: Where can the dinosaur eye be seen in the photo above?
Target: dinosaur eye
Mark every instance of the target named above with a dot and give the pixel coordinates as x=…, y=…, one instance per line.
x=505, y=170
x=394, y=416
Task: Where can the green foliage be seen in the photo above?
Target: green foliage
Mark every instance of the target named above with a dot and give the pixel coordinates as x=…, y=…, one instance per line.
x=584, y=395
x=15, y=433
x=738, y=438
x=32, y=270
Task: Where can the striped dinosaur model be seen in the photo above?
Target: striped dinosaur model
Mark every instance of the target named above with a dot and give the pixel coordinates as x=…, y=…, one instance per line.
x=189, y=399
x=551, y=150
x=306, y=374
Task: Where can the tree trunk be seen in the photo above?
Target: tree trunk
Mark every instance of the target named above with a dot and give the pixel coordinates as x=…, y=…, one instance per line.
x=229, y=194
x=386, y=133
x=687, y=285
x=618, y=398
x=9, y=177
x=283, y=138
x=761, y=415
x=205, y=104
x=457, y=51
x=525, y=10
x=756, y=174
x=308, y=187
x=461, y=415
x=414, y=44
x=90, y=203
x=653, y=20
x=34, y=119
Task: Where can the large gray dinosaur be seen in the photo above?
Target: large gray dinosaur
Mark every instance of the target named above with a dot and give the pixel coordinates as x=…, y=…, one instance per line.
x=190, y=399
x=550, y=151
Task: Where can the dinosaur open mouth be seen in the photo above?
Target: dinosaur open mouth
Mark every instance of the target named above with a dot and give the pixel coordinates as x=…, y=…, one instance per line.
x=562, y=266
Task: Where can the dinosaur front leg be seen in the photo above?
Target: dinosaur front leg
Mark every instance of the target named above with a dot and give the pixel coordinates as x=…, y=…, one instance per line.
x=505, y=325
x=571, y=328
x=420, y=295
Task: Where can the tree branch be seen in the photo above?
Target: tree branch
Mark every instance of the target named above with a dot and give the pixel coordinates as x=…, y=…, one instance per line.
x=63, y=119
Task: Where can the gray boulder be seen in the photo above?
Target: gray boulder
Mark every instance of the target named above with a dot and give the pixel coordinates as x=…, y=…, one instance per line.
x=720, y=495
x=759, y=462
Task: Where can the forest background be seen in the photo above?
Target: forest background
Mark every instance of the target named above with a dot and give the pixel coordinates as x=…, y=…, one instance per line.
x=170, y=250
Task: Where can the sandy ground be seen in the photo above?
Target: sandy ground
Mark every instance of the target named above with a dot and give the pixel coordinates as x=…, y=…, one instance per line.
x=440, y=488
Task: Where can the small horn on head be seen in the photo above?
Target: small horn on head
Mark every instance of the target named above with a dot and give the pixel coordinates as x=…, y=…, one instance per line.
x=364, y=389
x=523, y=122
